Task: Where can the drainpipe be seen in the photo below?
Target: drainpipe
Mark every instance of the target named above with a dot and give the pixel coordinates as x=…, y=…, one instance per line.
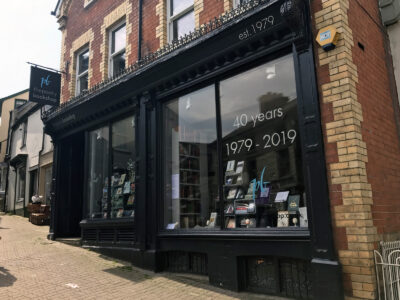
x=39, y=159
x=9, y=142
x=140, y=30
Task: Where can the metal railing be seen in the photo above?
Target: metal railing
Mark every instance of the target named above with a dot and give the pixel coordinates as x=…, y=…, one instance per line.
x=203, y=30
x=387, y=267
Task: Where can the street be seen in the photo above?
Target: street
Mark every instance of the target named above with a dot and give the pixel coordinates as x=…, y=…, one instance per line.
x=32, y=267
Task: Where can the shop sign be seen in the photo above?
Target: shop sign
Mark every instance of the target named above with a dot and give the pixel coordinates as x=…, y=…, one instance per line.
x=273, y=16
x=44, y=86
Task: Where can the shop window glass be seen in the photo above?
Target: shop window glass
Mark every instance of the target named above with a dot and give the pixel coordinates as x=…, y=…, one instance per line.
x=181, y=18
x=117, y=49
x=123, y=168
x=98, y=172
x=263, y=182
x=82, y=71
x=190, y=176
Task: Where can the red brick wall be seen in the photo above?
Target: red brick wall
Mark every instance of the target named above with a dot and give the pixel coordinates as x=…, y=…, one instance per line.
x=331, y=151
x=212, y=9
x=150, y=21
x=379, y=127
x=82, y=19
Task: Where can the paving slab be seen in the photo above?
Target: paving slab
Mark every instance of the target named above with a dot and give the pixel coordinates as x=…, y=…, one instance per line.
x=32, y=267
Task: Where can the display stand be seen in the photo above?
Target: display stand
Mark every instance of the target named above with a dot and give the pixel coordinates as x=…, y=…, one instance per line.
x=189, y=185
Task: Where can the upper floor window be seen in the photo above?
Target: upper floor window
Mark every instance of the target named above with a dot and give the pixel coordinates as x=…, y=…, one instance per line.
x=19, y=102
x=239, y=2
x=117, y=49
x=87, y=3
x=82, y=67
x=180, y=18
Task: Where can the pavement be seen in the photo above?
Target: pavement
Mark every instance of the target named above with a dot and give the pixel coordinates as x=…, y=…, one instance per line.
x=32, y=267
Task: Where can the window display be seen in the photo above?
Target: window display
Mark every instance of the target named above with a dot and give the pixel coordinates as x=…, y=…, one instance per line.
x=98, y=170
x=191, y=180
x=111, y=193
x=261, y=147
x=261, y=153
x=123, y=177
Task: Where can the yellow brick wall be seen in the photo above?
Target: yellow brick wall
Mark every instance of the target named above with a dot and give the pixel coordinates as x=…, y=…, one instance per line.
x=84, y=40
x=120, y=13
x=354, y=215
x=161, y=12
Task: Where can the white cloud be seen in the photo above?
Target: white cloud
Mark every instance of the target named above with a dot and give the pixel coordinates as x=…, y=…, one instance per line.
x=28, y=32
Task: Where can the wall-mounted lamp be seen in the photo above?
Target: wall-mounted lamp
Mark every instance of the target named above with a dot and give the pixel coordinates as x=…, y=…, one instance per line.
x=327, y=38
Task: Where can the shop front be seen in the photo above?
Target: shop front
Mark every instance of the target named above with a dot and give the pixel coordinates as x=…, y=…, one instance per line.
x=206, y=159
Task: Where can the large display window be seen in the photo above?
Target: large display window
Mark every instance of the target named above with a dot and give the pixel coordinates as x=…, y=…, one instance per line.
x=112, y=169
x=262, y=176
x=191, y=175
x=261, y=148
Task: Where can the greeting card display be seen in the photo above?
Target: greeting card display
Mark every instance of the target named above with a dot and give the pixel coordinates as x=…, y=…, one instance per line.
x=283, y=218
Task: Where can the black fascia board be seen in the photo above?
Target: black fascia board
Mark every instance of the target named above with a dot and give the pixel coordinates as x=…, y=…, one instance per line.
x=199, y=52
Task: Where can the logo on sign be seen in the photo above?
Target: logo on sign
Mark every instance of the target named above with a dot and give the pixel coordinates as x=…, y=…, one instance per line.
x=45, y=80
x=325, y=35
x=286, y=7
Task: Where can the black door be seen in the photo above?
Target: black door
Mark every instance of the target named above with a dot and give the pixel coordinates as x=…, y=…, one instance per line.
x=70, y=186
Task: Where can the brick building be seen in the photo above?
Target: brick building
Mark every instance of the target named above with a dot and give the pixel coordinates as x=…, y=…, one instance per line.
x=217, y=137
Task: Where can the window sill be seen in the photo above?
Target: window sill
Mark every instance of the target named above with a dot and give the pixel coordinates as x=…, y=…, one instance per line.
x=300, y=233
x=87, y=223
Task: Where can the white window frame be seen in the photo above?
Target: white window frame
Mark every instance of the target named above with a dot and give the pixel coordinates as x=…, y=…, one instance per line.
x=112, y=55
x=236, y=3
x=171, y=19
x=78, y=76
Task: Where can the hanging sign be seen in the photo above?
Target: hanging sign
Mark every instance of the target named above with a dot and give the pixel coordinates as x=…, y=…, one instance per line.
x=44, y=86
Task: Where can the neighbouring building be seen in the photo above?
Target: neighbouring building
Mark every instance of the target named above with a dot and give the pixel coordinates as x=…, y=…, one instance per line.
x=7, y=104
x=391, y=18
x=217, y=137
x=29, y=156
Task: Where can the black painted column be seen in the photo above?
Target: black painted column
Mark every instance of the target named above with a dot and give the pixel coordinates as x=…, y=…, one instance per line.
x=326, y=270
x=53, y=193
x=141, y=173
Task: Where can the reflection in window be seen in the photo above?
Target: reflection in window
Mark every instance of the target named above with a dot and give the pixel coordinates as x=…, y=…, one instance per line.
x=191, y=177
x=111, y=193
x=98, y=172
x=82, y=71
x=181, y=18
x=261, y=148
x=117, y=50
x=123, y=171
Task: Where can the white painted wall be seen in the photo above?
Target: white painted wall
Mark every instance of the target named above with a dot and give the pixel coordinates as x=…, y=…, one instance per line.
x=394, y=36
x=32, y=148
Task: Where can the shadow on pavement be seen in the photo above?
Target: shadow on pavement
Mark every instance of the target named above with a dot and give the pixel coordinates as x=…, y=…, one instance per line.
x=6, y=279
x=129, y=273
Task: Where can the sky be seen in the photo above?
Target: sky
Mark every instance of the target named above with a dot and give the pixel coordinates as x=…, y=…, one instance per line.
x=28, y=32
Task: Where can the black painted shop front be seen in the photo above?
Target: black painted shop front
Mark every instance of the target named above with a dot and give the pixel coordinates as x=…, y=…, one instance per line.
x=208, y=159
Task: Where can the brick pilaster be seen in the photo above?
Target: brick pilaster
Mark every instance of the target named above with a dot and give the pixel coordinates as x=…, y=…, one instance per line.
x=352, y=217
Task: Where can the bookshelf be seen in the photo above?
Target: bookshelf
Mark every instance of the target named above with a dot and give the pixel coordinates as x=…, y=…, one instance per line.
x=189, y=184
